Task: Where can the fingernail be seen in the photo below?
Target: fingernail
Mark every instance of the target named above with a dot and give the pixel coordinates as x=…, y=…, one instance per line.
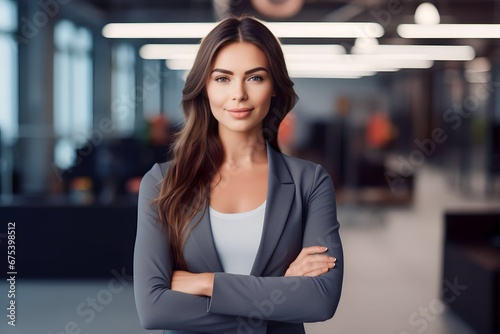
x=325, y=248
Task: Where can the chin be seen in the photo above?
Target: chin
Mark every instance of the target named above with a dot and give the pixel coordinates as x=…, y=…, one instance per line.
x=242, y=128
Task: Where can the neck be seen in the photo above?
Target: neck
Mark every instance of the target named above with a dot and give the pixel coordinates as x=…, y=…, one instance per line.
x=243, y=149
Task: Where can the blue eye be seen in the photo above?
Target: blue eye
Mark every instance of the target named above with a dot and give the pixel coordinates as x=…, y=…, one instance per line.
x=221, y=79
x=256, y=78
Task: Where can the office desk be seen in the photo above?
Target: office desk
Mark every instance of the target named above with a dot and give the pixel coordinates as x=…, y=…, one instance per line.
x=70, y=241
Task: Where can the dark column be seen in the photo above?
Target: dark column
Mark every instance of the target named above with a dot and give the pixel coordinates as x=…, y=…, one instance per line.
x=102, y=82
x=36, y=143
x=140, y=94
x=493, y=147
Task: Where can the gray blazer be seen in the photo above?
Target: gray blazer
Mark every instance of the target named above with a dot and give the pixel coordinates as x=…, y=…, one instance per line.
x=300, y=212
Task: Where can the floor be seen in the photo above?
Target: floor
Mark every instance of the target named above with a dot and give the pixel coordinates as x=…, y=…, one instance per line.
x=391, y=284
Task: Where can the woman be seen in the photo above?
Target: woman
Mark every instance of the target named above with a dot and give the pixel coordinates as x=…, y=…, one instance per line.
x=233, y=236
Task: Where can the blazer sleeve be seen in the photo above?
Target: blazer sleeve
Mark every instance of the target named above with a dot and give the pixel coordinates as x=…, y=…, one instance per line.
x=291, y=299
x=158, y=306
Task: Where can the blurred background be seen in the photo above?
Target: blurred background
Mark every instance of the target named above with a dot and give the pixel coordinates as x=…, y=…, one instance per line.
x=399, y=101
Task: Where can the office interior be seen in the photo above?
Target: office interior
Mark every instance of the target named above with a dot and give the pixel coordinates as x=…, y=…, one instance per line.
x=399, y=101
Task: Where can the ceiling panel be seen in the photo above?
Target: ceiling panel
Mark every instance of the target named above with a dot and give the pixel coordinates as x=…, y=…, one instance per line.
x=463, y=11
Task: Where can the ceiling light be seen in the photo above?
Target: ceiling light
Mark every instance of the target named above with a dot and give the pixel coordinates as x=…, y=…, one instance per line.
x=280, y=29
x=427, y=25
x=348, y=63
x=478, y=77
x=329, y=75
x=182, y=51
x=302, y=58
x=343, y=67
x=372, y=62
x=481, y=64
x=424, y=52
x=427, y=13
x=311, y=49
x=365, y=42
x=179, y=64
x=294, y=72
x=394, y=61
x=169, y=51
x=157, y=30
x=187, y=64
x=326, y=29
x=478, y=70
x=449, y=31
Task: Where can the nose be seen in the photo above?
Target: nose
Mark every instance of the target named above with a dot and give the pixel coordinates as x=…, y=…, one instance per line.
x=239, y=93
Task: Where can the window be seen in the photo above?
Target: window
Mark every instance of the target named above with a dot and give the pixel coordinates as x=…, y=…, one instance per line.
x=9, y=111
x=72, y=90
x=123, y=89
x=8, y=68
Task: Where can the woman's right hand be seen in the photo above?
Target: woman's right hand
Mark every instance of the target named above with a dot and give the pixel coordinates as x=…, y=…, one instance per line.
x=311, y=262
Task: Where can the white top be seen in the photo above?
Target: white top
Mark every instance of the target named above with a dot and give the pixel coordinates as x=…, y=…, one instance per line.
x=237, y=238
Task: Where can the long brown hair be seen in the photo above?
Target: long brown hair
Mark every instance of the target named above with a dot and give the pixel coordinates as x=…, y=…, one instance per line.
x=197, y=150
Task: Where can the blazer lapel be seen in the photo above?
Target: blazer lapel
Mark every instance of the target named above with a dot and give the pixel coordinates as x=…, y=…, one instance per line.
x=280, y=193
x=202, y=237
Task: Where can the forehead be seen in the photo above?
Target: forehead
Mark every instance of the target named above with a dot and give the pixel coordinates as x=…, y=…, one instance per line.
x=242, y=55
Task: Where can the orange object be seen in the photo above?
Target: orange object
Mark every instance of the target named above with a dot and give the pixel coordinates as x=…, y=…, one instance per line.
x=378, y=130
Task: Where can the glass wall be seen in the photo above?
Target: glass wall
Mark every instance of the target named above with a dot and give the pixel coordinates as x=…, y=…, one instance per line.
x=123, y=88
x=8, y=91
x=72, y=90
x=8, y=68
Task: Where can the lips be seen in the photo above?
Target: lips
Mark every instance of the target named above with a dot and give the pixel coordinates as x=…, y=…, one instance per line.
x=239, y=112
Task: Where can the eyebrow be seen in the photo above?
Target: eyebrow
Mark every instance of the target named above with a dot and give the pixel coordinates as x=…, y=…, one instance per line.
x=253, y=70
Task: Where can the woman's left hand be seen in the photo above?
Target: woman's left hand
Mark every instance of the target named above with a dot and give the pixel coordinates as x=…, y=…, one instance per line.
x=193, y=284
